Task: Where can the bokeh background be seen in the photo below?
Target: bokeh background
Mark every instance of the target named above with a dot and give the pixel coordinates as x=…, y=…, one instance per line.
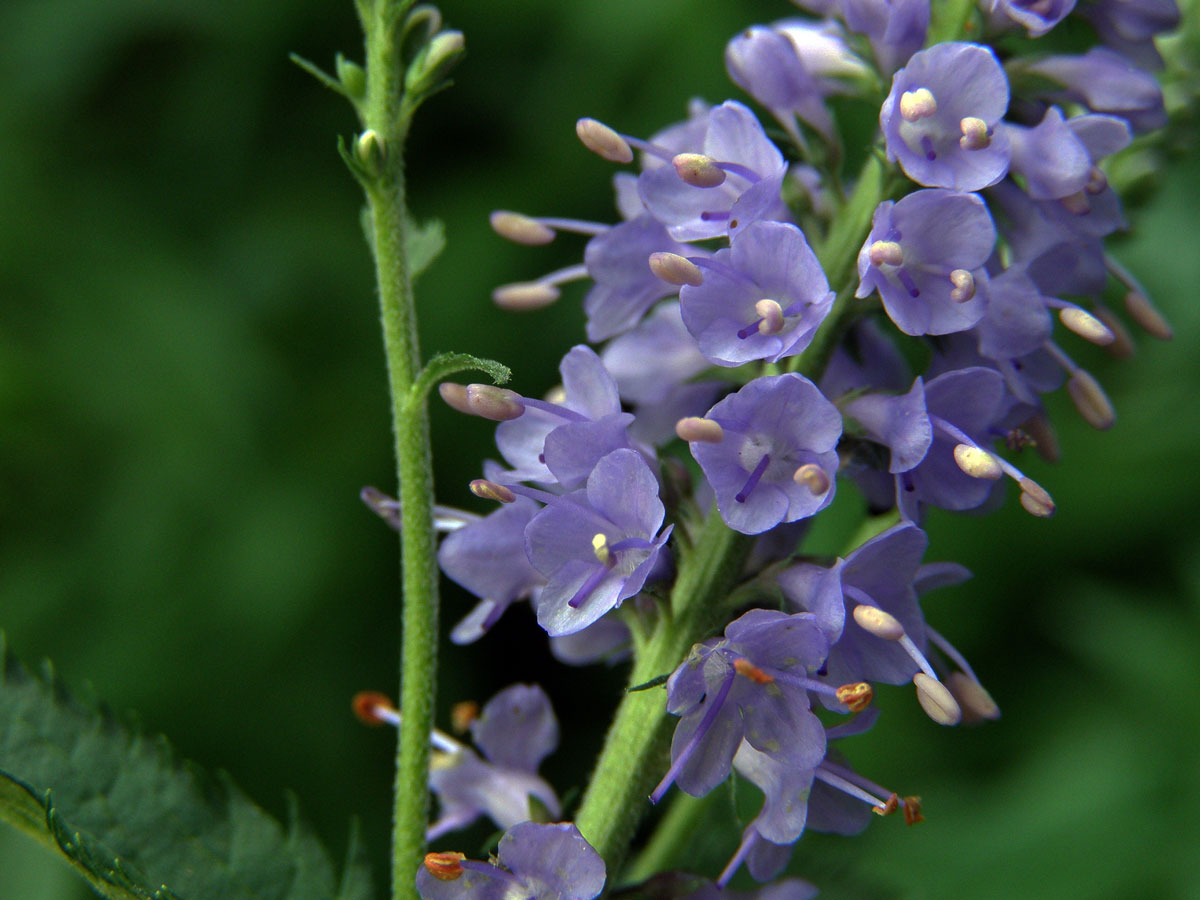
x=192, y=395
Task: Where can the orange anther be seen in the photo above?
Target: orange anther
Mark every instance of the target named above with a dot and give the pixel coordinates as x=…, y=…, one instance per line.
x=445, y=866
x=892, y=804
x=912, y=810
x=857, y=696
x=743, y=666
x=463, y=714
x=366, y=705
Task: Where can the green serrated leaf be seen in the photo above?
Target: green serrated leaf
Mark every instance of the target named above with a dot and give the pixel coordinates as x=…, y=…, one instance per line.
x=138, y=823
x=443, y=365
x=423, y=243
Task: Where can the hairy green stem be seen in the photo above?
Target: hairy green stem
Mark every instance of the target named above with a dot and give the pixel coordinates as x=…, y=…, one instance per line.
x=386, y=112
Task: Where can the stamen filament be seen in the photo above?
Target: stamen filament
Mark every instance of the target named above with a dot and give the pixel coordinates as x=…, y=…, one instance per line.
x=939, y=641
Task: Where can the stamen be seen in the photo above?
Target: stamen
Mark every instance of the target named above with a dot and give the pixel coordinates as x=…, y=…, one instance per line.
x=698, y=170
x=750, y=837
x=525, y=296
x=675, y=269
x=937, y=701
x=600, y=548
x=462, y=714
x=753, y=480
x=976, y=703
x=445, y=865
x=520, y=229
x=964, y=285
x=1097, y=181
x=856, y=696
x=685, y=754
x=1091, y=401
x=1045, y=441
x=603, y=141
x=1035, y=500
x=878, y=622
x=813, y=477
x=490, y=490
x=1142, y=311
x=1087, y=326
x=825, y=772
x=589, y=585
x=694, y=428
x=374, y=708
x=744, y=667
x=484, y=400
x=770, y=315
x=977, y=462
x=975, y=134
x=918, y=104
x=1122, y=346
x=885, y=252
x=912, y=811
x=938, y=640
x=909, y=285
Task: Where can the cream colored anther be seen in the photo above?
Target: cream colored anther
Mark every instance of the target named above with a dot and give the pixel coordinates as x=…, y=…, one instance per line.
x=918, y=104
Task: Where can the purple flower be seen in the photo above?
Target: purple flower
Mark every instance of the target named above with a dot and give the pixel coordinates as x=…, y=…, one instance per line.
x=896, y=28
x=534, y=862
x=1035, y=16
x=900, y=423
x=596, y=546
x=516, y=730
x=753, y=684
x=754, y=169
x=487, y=557
x=775, y=460
x=1105, y=82
x=767, y=66
x=940, y=118
x=560, y=442
x=1051, y=159
x=921, y=255
x=762, y=298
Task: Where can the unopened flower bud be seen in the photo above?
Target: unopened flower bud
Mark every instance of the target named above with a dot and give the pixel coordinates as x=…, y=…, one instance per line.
x=520, y=229
x=1087, y=326
x=812, y=477
x=371, y=152
x=878, y=622
x=490, y=490
x=1090, y=400
x=434, y=62
x=974, y=134
x=939, y=704
x=373, y=708
x=444, y=866
x=856, y=696
x=351, y=77
x=1035, y=499
x=885, y=253
x=675, y=269
x=912, y=811
x=918, y=104
x=694, y=428
x=977, y=462
x=525, y=296
x=698, y=170
x=1148, y=318
x=603, y=141
x=462, y=714
x=964, y=286
x=976, y=703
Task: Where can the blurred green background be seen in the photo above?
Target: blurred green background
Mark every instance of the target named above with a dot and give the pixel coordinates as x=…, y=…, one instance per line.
x=192, y=394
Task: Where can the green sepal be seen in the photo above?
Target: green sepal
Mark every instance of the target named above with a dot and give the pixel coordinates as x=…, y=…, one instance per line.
x=136, y=822
x=422, y=244
x=444, y=365
x=320, y=74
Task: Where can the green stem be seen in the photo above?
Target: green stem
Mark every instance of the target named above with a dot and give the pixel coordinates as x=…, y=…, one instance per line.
x=636, y=748
x=385, y=111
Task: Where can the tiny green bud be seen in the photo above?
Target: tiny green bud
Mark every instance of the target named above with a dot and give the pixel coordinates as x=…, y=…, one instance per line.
x=418, y=29
x=371, y=152
x=434, y=62
x=351, y=76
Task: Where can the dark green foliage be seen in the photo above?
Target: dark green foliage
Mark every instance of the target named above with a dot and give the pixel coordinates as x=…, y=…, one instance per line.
x=136, y=821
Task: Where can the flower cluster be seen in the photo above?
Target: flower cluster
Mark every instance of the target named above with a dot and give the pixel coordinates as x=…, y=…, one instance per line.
x=725, y=327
